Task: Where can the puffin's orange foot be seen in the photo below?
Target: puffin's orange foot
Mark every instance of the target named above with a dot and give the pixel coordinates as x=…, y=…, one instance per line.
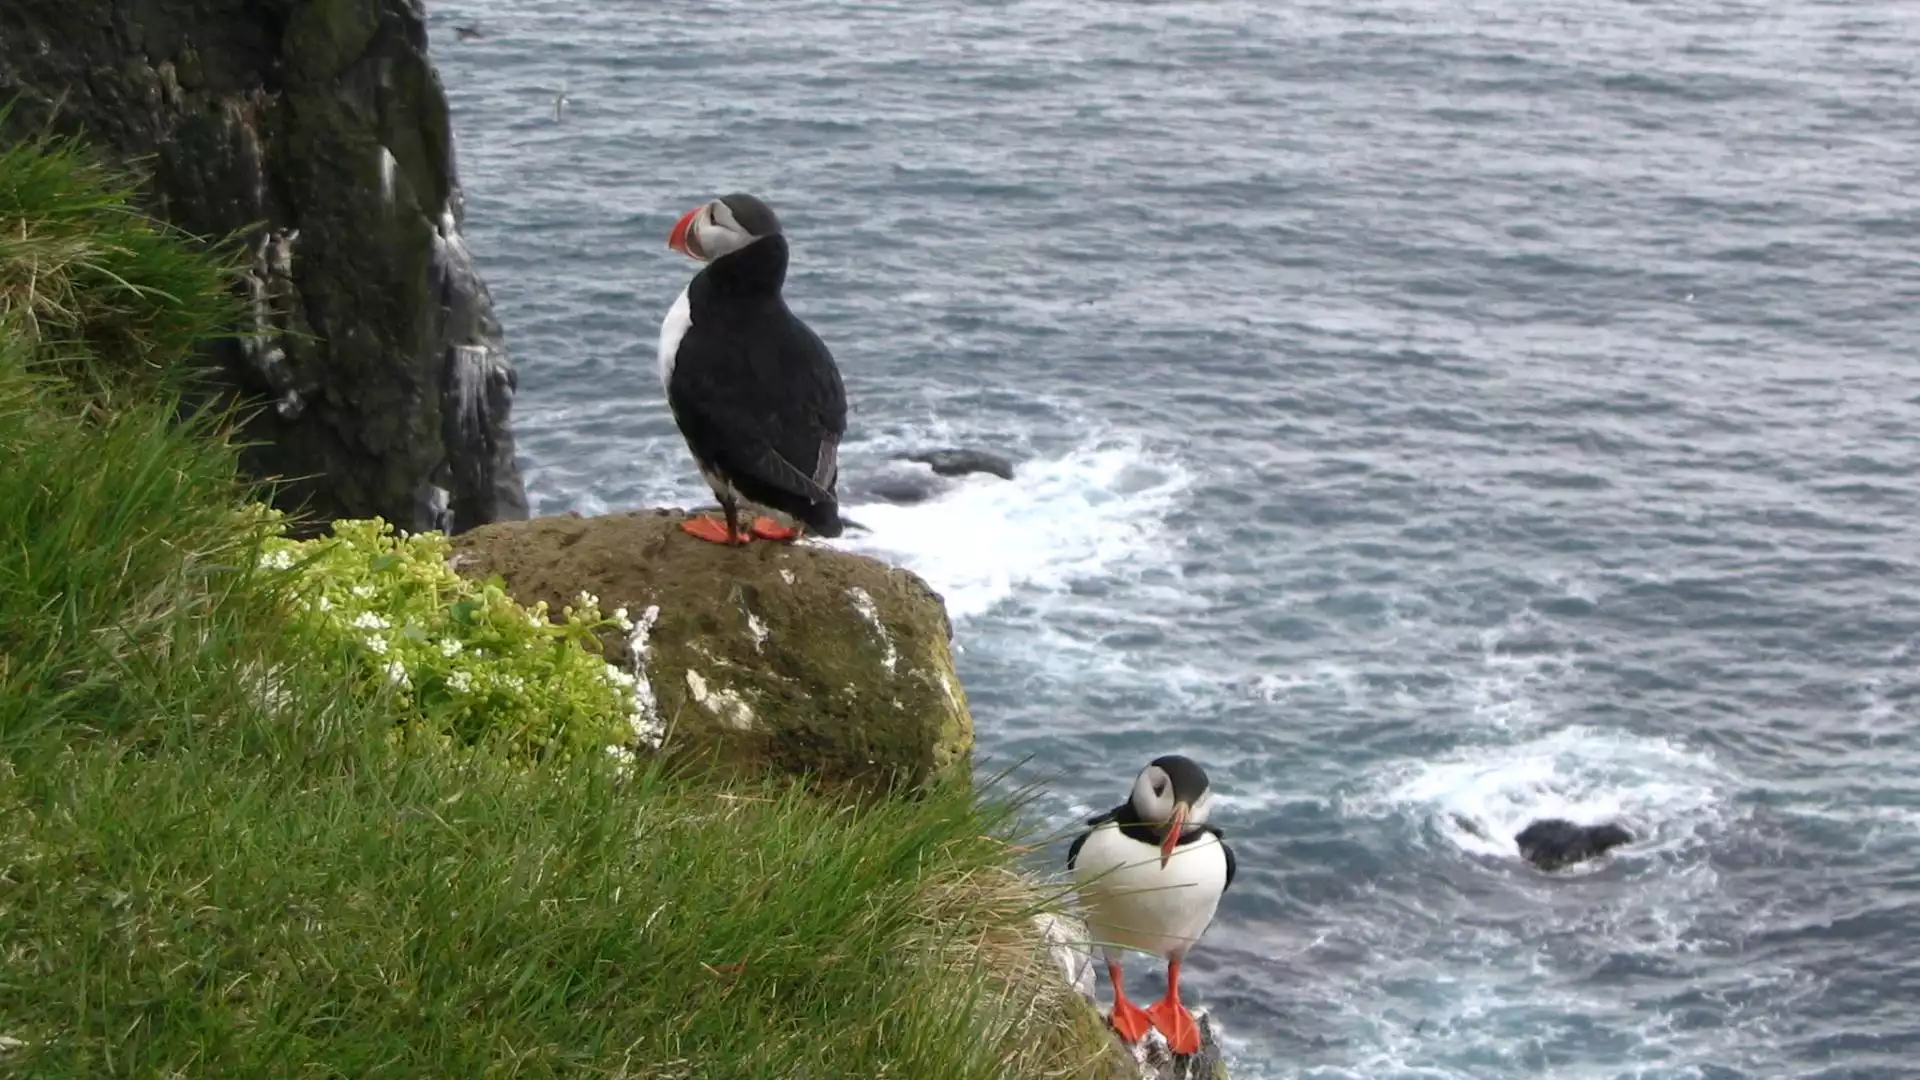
x=769, y=529
x=1176, y=1023
x=712, y=531
x=1130, y=1020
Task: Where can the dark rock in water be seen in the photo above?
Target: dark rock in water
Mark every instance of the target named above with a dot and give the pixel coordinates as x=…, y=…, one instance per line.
x=319, y=128
x=961, y=462
x=1552, y=843
x=903, y=490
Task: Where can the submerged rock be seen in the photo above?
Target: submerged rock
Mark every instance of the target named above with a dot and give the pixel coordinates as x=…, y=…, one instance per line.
x=960, y=462
x=1551, y=843
x=318, y=132
x=790, y=658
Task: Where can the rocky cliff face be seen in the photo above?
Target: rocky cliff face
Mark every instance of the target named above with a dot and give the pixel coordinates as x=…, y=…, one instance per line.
x=319, y=130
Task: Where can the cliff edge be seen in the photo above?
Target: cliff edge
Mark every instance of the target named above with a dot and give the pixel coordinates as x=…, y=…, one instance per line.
x=319, y=132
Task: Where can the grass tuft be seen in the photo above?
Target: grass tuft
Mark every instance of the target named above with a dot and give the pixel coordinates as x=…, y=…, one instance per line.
x=119, y=299
x=217, y=858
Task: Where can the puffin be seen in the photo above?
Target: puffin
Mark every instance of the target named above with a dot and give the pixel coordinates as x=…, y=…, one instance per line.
x=754, y=391
x=1150, y=873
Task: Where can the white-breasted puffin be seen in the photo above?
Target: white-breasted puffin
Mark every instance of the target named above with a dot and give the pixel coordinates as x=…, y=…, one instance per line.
x=1150, y=873
x=754, y=391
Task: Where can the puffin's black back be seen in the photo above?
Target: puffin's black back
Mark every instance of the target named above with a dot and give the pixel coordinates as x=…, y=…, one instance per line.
x=756, y=392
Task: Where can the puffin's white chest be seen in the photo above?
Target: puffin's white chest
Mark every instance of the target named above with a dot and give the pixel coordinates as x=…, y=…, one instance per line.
x=1134, y=903
x=672, y=328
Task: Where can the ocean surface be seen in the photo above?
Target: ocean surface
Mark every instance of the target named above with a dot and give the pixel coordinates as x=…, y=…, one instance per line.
x=1425, y=413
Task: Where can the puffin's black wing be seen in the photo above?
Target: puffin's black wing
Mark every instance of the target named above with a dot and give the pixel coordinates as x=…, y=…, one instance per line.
x=1093, y=823
x=1224, y=850
x=757, y=393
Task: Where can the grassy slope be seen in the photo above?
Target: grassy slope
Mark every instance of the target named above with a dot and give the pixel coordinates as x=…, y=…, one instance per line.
x=195, y=880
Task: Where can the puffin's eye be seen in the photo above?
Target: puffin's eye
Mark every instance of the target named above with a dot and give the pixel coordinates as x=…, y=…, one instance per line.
x=1159, y=787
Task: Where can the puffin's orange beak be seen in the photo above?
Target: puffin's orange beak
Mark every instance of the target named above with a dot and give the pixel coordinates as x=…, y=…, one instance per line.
x=681, y=238
x=1174, y=829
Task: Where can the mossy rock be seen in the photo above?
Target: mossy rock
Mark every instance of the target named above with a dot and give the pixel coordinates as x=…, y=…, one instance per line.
x=771, y=657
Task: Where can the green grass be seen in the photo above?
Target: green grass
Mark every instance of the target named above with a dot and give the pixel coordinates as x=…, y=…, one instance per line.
x=216, y=860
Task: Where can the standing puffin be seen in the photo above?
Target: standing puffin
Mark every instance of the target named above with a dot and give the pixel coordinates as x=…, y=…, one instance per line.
x=754, y=392
x=1150, y=873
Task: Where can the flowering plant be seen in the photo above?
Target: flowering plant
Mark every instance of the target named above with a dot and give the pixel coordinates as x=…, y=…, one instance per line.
x=463, y=657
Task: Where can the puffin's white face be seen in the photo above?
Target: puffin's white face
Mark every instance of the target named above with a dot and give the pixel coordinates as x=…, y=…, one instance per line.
x=1157, y=799
x=1172, y=793
x=708, y=232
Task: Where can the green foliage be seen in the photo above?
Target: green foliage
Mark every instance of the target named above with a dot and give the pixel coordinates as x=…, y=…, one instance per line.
x=462, y=656
x=388, y=911
x=218, y=859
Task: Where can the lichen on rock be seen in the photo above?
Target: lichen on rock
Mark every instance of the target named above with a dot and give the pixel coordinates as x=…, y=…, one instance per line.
x=796, y=659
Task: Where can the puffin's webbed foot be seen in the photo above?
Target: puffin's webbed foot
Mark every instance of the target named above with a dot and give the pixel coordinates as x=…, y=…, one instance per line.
x=1174, y=1021
x=768, y=529
x=1172, y=1018
x=712, y=531
x=1128, y=1019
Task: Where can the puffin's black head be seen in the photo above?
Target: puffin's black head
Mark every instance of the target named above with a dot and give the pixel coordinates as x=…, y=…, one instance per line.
x=1172, y=791
x=722, y=227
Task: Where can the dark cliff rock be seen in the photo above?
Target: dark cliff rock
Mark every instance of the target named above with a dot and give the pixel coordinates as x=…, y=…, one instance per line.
x=319, y=128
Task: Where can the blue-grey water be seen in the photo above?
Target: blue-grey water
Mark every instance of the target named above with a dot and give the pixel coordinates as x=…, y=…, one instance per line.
x=1427, y=412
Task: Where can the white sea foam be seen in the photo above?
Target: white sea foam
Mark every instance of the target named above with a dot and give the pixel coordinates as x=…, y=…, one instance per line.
x=1097, y=510
x=1480, y=796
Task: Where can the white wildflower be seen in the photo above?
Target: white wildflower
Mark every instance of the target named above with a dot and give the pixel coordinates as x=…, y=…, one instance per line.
x=620, y=619
x=362, y=591
x=397, y=674
x=277, y=560
x=460, y=682
x=536, y=620
x=323, y=603
x=450, y=648
x=513, y=682
x=367, y=620
x=378, y=644
x=586, y=600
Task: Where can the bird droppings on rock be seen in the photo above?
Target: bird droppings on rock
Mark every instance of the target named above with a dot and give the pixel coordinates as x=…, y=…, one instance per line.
x=1067, y=944
x=647, y=726
x=726, y=706
x=787, y=576
x=758, y=629
x=388, y=166
x=863, y=603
